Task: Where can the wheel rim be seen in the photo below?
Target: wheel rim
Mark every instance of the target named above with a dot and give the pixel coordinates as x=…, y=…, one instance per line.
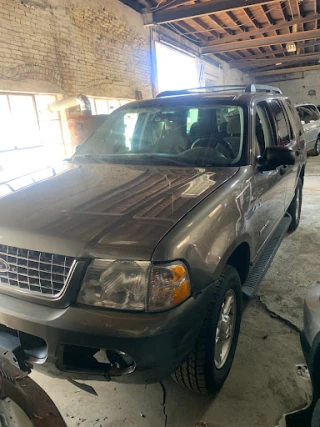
x=318, y=146
x=225, y=329
x=298, y=205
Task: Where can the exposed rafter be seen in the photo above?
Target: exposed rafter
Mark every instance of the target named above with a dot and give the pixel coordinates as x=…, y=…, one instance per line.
x=241, y=30
x=197, y=10
x=262, y=41
x=257, y=32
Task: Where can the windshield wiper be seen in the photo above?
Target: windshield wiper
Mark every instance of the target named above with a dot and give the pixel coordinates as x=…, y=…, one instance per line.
x=92, y=157
x=164, y=159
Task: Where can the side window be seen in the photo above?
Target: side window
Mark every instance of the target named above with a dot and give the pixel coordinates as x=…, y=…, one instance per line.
x=294, y=118
x=305, y=114
x=314, y=113
x=281, y=124
x=263, y=130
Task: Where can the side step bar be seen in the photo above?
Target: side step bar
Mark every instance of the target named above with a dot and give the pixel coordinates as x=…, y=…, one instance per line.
x=260, y=268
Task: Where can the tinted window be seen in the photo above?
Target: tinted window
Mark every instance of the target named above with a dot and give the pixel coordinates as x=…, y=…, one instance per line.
x=281, y=123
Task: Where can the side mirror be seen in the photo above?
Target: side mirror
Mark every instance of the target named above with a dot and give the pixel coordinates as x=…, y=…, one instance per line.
x=276, y=156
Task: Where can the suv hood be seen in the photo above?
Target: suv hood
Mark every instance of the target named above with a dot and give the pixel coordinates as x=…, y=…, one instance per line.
x=102, y=210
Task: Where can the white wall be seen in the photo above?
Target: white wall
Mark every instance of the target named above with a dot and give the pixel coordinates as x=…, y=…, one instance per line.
x=297, y=86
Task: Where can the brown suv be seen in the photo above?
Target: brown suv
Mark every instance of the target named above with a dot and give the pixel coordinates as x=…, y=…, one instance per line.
x=132, y=258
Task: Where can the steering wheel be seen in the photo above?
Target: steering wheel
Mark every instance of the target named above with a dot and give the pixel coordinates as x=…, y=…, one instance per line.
x=204, y=142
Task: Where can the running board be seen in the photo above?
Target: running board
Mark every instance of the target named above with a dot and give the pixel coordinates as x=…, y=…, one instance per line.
x=260, y=268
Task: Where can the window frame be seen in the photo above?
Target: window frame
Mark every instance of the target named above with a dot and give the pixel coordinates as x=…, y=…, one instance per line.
x=34, y=103
x=93, y=99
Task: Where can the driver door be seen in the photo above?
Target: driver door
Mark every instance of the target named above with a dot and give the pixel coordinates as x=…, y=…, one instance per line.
x=270, y=186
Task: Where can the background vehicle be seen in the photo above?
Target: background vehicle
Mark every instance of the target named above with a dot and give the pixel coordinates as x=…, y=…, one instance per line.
x=310, y=119
x=132, y=260
x=310, y=341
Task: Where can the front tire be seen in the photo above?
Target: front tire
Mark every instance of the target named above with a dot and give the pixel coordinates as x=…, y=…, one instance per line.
x=295, y=207
x=208, y=366
x=316, y=150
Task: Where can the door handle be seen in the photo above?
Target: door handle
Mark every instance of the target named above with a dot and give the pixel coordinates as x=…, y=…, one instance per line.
x=283, y=169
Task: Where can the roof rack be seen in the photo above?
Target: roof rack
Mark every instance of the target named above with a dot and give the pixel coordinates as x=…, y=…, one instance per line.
x=252, y=88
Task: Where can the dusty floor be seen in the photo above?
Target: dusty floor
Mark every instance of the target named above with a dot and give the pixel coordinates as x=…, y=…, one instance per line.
x=261, y=386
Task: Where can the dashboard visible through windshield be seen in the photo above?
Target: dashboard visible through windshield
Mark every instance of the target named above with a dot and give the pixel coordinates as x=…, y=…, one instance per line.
x=187, y=136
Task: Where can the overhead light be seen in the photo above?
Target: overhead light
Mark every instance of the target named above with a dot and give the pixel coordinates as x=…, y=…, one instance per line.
x=279, y=63
x=291, y=47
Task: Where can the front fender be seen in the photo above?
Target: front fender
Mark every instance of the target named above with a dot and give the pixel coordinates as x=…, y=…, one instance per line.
x=208, y=235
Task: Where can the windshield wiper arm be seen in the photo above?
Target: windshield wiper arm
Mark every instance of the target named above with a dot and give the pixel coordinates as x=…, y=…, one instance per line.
x=89, y=157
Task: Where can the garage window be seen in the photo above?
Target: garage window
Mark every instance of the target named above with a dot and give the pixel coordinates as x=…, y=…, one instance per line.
x=106, y=105
x=30, y=136
x=27, y=123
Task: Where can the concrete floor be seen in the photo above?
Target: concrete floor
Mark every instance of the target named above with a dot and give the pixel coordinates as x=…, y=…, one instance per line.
x=261, y=386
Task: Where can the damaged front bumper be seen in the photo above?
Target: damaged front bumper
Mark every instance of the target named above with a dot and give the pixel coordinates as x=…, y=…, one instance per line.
x=81, y=342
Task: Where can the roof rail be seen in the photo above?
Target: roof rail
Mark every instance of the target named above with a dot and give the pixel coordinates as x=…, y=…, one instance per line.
x=252, y=88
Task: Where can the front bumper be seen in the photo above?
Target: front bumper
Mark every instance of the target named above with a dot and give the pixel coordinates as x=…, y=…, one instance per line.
x=65, y=340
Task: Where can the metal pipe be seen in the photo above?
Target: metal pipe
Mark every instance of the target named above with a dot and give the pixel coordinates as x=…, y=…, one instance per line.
x=74, y=101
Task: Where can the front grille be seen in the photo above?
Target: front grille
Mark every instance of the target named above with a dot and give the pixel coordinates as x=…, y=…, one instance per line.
x=32, y=271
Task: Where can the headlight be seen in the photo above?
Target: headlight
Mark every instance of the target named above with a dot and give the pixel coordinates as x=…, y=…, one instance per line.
x=125, y=285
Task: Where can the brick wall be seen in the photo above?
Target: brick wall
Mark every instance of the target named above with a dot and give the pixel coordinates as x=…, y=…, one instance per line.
x=103, y=51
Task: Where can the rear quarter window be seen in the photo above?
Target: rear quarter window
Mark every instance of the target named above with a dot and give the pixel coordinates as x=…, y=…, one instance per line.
x=293, y=117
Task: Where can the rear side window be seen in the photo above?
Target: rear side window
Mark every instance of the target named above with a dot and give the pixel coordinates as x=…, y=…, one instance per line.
x=308, y=113
x=314, y=113
x=293, y=117
x=263, y=130
x=282, y=126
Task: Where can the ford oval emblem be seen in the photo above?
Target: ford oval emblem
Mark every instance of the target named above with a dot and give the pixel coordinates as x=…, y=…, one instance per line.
x=4, y=266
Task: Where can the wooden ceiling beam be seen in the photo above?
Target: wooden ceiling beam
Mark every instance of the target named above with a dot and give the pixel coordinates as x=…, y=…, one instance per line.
x=262, y=41
x=262, y=30
x=197, y=10
x=282, y=51
x=285, y=71
x=245, y=64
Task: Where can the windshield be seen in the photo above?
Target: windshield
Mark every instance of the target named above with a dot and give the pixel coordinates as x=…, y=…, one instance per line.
x=199, y=136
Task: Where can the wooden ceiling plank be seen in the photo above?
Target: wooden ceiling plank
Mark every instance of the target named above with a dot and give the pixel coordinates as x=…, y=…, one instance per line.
x=285, y=71
x=186, y=31
x=262, y=30
x=197, y=10
x=262, y=41
x=189, y=31
x=209, y=32
x=239, y=24
x=259, y=25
